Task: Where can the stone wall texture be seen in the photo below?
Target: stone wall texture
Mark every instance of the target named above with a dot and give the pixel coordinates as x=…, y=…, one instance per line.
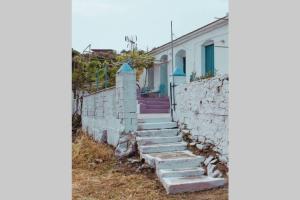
x=203, y=107
x=99, y=115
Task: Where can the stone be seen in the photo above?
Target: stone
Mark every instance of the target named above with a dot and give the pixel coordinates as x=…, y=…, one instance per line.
x=132, y=161
x=210, y=169
x=223, y=159
x=214, y=161
x=217, y=174
x=126, y=146
x=98, y=161
x=200, y=146
x=207, y=160
x=185, y=131
x=193, y=144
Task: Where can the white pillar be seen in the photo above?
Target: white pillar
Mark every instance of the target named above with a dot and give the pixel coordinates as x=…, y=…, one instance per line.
x=126, y=97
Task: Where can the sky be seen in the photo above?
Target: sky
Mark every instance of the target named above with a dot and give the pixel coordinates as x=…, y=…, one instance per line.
x=105, y=23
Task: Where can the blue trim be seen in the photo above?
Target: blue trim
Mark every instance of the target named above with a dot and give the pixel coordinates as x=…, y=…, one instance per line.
x=125, y=68
x=178, y=72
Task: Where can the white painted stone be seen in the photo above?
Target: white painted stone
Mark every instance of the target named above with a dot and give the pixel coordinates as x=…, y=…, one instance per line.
x=207, y=160
x=204, y=110
x=217, y=174
x=200, y=146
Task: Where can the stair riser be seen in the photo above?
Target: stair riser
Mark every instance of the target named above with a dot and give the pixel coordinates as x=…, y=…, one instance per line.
x=153, y=98
x=192, y=187
x=158, y=133
x=165, y=125
x=188, y=173
x=149, y=141
x=146, y=149
x=154, y=102
x=145, y=106
x=155, y=120
x=147, y=110
x=178, y=164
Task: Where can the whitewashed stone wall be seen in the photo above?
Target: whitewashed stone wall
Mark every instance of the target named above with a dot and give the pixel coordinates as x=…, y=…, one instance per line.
x=112, y=112
x=203, y=107
x=99, y=115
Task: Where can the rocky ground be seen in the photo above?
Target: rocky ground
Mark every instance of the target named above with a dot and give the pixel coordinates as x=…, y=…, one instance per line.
x=97, y=174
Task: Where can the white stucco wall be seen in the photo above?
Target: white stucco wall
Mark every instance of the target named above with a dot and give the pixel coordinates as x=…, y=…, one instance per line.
x=99, y=114
x=203, y=107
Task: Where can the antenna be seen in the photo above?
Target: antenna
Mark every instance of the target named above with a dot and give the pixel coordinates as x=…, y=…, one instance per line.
x=132, y=42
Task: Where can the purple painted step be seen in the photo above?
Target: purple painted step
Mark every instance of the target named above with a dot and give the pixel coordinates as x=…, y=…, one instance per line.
x=155, y=102
x=155, y=106
x=147, y=110
x=154, y=98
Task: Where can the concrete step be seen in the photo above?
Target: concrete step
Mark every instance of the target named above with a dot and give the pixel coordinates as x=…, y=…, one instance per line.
x=155, y=120
x=158, y=133
x=154, y=102
x=161, y=125
x=175, y=185
x=182, y=172
x=166, y=98
x=173, y=160
x=155, y=106
x=157, y=140
x=166, y=147
x=154, y=110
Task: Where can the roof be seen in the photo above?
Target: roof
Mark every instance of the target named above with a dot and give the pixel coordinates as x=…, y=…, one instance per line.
x=102, y=50
x=222, y=21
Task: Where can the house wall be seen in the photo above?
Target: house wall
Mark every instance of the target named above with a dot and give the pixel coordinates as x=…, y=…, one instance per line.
x=99, y=114
x=203, y=107
x=195, y=52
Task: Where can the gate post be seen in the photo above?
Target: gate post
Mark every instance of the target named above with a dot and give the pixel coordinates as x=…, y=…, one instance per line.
x=126, y=97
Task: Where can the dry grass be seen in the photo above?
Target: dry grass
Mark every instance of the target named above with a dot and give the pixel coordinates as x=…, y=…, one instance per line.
x=111, y=180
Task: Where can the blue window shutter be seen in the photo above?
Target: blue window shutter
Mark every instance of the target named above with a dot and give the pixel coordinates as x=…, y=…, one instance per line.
x=209, y=60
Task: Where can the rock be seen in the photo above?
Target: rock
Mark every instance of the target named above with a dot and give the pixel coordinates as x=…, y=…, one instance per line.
x=126, y=146
x=223, y=159
x=200, y=146
x=193, y=144
x=217, y=174
x=185, y=131
x=210, y=169
x=207, y=160
x=132, y=161
x=214, y=161
x=97, y=161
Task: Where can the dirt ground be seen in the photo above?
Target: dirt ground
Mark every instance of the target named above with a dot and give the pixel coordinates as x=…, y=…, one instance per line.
x=98, y=175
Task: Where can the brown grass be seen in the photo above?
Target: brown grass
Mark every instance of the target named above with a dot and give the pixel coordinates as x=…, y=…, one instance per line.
x=111, y=180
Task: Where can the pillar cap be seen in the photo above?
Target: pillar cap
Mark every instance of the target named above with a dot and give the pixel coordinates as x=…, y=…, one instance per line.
x=125, y=68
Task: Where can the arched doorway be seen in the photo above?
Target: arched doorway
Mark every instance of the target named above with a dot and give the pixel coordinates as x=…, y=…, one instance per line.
x=163, y=87
x=180, y=62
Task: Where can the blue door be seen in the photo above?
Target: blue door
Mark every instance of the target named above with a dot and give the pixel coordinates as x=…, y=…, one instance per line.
x=209, y=60
x=163, y=79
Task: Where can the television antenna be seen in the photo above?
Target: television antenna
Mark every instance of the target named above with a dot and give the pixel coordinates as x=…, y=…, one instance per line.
x=132, y=42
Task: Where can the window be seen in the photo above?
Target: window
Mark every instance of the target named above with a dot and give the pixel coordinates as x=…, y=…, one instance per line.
x=184, y=64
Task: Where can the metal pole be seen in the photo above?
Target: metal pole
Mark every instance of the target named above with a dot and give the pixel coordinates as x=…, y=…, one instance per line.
x=173, y=82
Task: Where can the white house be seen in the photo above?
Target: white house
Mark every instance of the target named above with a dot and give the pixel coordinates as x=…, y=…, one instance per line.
x=203, y=51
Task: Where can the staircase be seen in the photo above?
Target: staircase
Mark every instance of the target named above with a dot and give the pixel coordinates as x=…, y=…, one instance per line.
x=178, y=169
x=154, y=104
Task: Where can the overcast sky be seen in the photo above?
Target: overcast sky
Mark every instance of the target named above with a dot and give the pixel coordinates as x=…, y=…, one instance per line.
x=105, y=23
